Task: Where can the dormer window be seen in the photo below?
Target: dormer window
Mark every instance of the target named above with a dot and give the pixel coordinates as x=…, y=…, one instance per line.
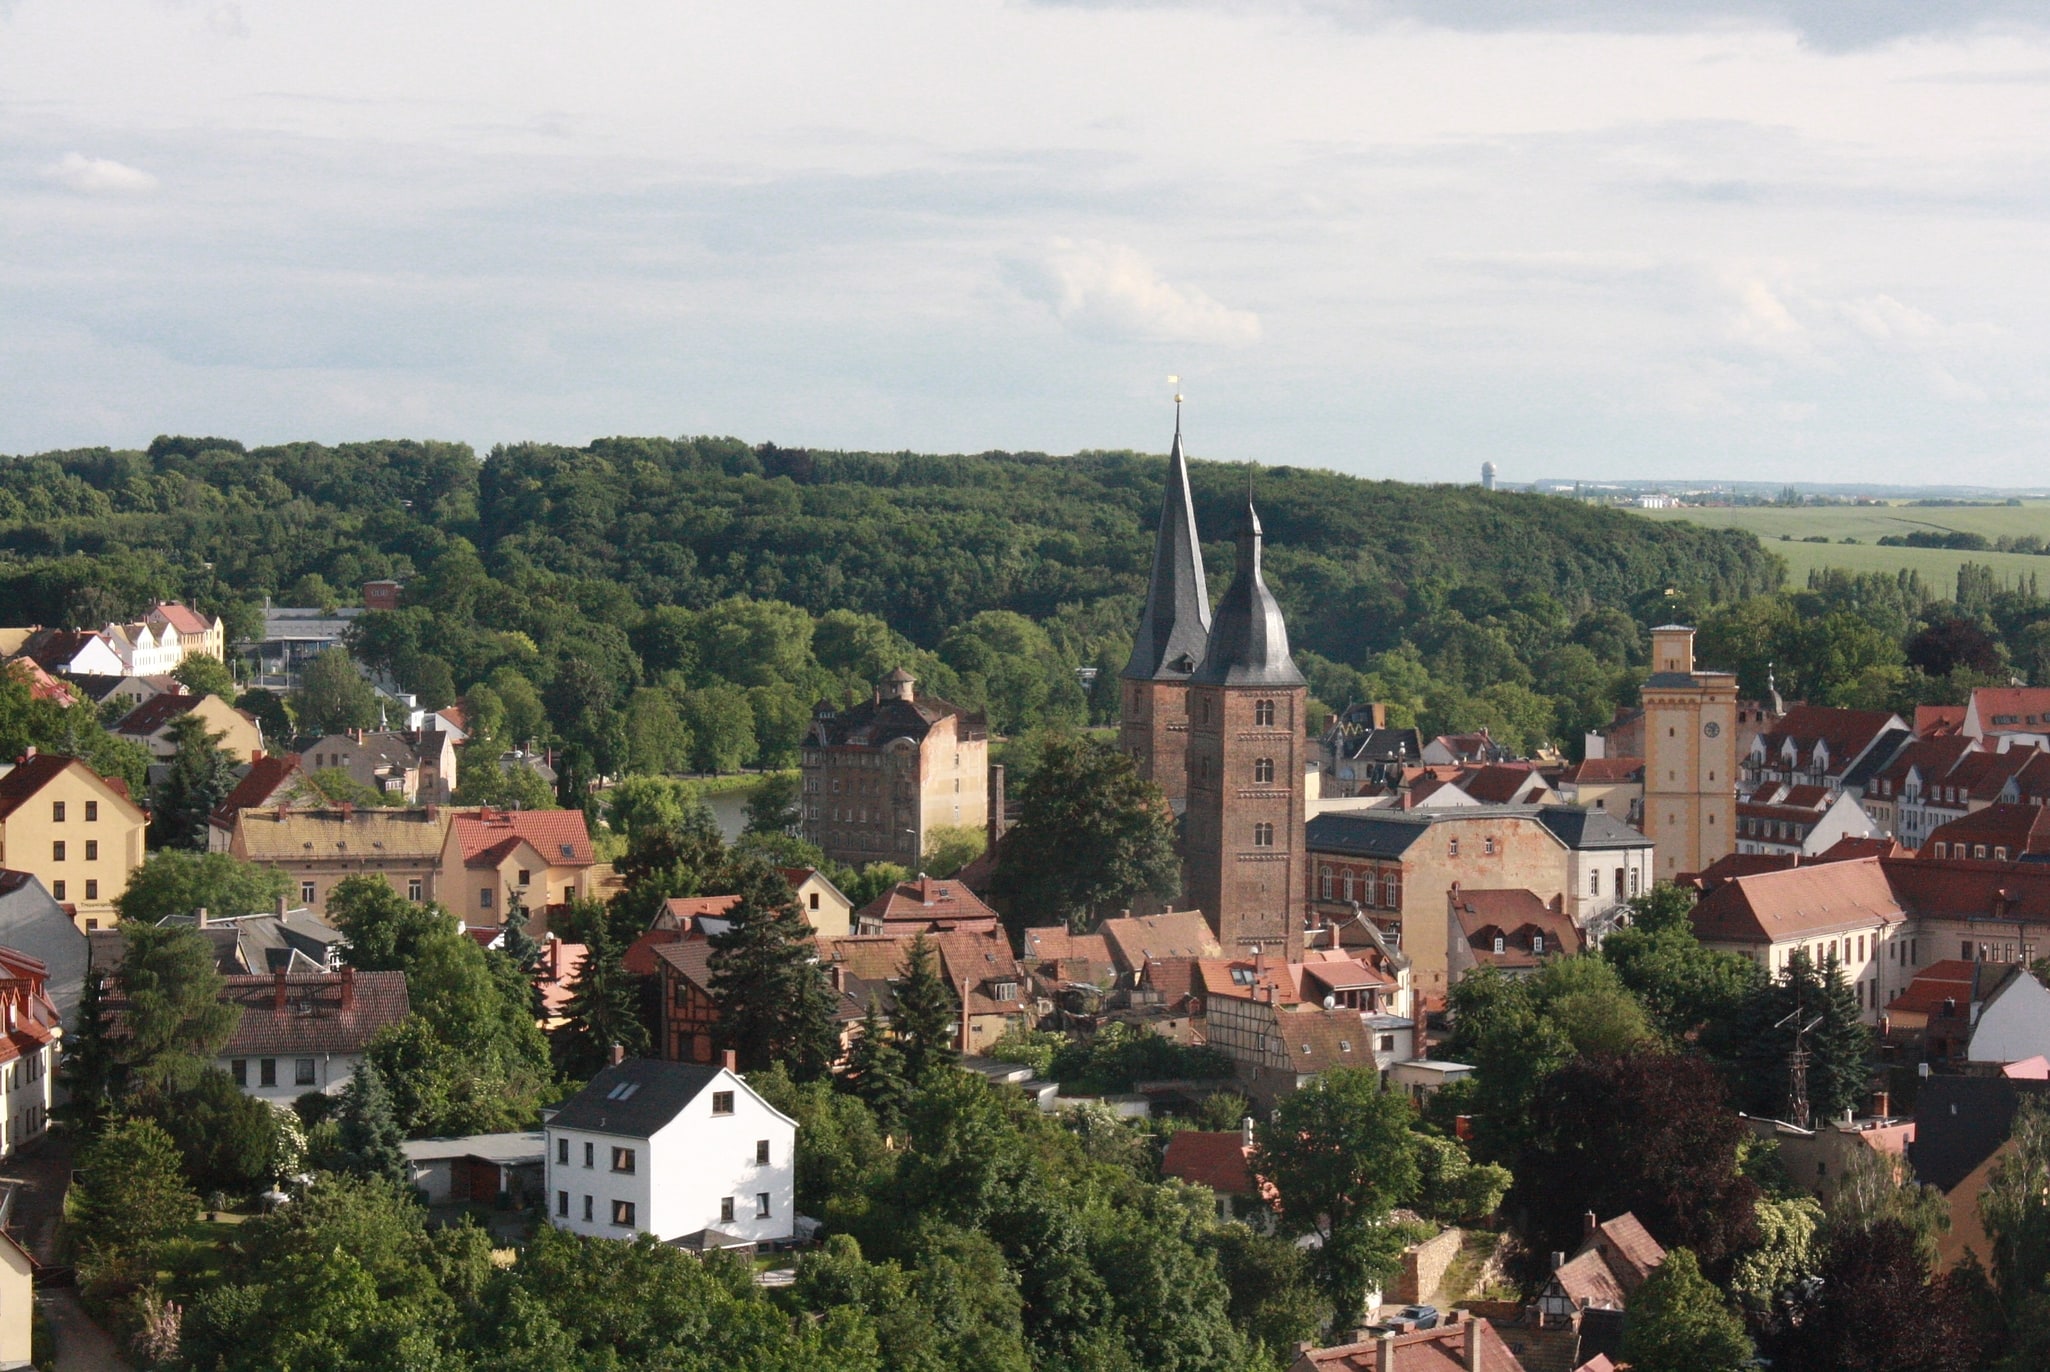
x=1537, y=943
x=1501, y=944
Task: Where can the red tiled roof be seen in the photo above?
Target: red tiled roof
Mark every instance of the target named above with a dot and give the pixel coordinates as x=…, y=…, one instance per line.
x=930, y=903
x=379, y=1001
x=1796, y=903
x=1849, y=848
x=1933, y=721
x=556, y=990
x=1846, y=732
x=1732, y=865
x=183, y=618
x=683, y=912
x=32, y=774
x=265, y=777
x=1499, y=783
x=2018, y=829
x=1932, y=757
x=1603, y=771
x=1950, y=979
x=2024, y=709
x=1136, y=940
x=692, y=958
x=1514, y=916
x=1442, y=1349
x=640, y=956
x=54, y=649
x=153, y=715
x=1630, y=1249
x=1215, y=1160
x=559, y=836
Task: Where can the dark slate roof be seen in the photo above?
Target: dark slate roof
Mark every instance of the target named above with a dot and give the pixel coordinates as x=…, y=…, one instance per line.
x=1372, y=833
x=874, y=723
x=1879, y=756
x=1959, y=1121
x=663, y=1089
x=1248, y=638
x=33, y=922
x=1175, y=628
x=1581, y=829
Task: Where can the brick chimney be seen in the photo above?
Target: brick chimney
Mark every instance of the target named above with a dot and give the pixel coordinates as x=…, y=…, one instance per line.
x=277, y=990
x=1473, y=1343
x=1384, y=1351
x=348, y=989
x=730, y=1060
x=617, y=1055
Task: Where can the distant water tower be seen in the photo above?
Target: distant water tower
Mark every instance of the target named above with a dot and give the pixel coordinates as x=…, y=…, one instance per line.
x=1487, y=476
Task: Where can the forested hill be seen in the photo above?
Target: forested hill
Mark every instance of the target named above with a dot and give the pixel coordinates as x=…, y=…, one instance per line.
x=574, y=547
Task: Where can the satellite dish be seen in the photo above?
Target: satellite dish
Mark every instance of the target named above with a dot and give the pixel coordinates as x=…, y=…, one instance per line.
x=1331, y=1002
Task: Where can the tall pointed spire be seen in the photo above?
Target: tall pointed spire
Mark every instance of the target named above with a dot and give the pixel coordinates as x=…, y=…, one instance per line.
x=1176, y=624
x=1249, y=642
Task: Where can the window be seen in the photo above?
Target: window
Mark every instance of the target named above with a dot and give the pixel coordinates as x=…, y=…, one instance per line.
x=1349, y=889
x=1537, y=943
x=761, y=1152
x=1387, y=1043
x=587, y=1210
x=484, y=899
x=1978, y=851
x=623, y=1214
x=725, y=1209
x=57, y=890
x=526, y=877
x=722, y=1102
x=239, y=1069
x=413, y=890
x=1452, y=847
x=1965, y=950
x=302, y=1071
x=1263, y=770
x=590, y=1154
x=57, y=851
x=57, y=811
x=92, y=811
x=1500, y=946
x=622, y=1159
x=92, y=850
x=1007, y=990
x=1594, y=883
x=306, y=893
x=562, y=1204
x=1488, y=846
x=1633, y=881
x=562, y=1152
x=1263, y=713
x=267, y=1072
x=92, y=888
x=1263, y=836
x=1325, y=883
x=1999, y=854
x=761, y=1205
x=813, y=900
x=1391, y=893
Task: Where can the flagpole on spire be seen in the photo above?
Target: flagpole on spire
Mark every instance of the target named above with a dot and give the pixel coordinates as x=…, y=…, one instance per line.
x=1176, y=382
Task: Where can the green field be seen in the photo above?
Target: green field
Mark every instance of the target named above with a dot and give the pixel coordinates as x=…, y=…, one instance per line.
x=1868, y=523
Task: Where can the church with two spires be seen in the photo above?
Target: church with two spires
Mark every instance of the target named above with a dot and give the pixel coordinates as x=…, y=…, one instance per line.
x=1211, y=710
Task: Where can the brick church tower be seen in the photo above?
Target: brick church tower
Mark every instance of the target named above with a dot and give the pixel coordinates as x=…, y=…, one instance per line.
x=1153, y=713
x=1244, y=863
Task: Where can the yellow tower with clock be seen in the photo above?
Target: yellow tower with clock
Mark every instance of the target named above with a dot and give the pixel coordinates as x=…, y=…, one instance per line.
x=1690, y=757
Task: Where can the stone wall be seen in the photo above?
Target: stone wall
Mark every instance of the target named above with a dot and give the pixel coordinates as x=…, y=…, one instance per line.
x=1423, y=1267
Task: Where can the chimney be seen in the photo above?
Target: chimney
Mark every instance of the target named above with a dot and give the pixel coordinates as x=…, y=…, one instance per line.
x=1558, y=1260
x=1588, y=1224
x=1246, y=1132
x=617, y=1055
x=1384, y=1352
x=199, y=917
x=277, y=990
x=284, y=907
x=1882, y=1104
x=1473, y=1343
x=348, y=989
x=995, y=822
x=839, y=975
x=730, y=1060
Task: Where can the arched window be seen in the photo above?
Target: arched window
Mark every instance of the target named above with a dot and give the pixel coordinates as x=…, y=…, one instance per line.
x=1263, y=713
x=1263, y=770
x=1348, y=886
x=1263, y=836
x=1367, y=893
x=1324, y=883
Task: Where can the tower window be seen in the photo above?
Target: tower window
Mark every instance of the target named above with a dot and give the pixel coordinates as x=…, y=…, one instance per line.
x=1263, y=769
x=1263, y=836
x=1263, y=713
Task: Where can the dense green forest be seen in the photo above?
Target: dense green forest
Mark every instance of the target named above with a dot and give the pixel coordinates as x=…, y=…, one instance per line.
x=656, y=604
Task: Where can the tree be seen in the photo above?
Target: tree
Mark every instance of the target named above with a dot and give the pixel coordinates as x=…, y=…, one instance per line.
x=1451, y=1188
x=875, y=1073
x=198, y=779
x=1274, y=1295
x=1685, y=988
x=525, y=718
x=1839, y=1046
x=604, y=1007
x=1678, y=1323
x=130, y=1197
x=1874, y=1187
x=515, y=942
x=1876, y=1306
x=503, y=785
x=337, y=787
x=1786, y=1252
x=369, y=1142
x=1092, y=835
x=173, y=882
x=950, y=847
x=176, y=1021
x=1341, y=1156
x=926, y=1014
x=269, y=711
x=230, y=1140
x=774, y=1002
x=1647, y=1133
x=773, y=807
x=203, y=674
x=656, y=739
x=89, y=1068
x=2016, y=1213
x=333, y=695
x=721, y=722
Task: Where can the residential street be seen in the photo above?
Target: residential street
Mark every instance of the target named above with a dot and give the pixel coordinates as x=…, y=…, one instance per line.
x=82, y=1346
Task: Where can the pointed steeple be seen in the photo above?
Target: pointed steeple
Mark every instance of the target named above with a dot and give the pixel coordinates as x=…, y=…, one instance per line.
x=1249, y=641
x=1176, y=624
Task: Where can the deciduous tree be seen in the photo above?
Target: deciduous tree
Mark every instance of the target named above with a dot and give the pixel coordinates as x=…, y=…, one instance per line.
x=1092, y=835
x=1679, y=1323
x=333, y=695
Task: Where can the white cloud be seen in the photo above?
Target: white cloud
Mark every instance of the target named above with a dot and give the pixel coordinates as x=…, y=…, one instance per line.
x=1108, y=290
x=98, y=175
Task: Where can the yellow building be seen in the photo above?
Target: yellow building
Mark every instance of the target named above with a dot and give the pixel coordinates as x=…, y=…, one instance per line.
x=318, y=849
x=75, y=830
x=17, y=1293
x=1690, y=756
x=543, y=856
x=150, y=724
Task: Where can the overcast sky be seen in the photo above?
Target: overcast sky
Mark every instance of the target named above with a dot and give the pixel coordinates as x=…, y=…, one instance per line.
x=1750, y=238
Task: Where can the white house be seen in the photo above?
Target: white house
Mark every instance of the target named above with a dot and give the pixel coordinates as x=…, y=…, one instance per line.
x=684, y=1151
x=301, y=1033
x=2013, y=1022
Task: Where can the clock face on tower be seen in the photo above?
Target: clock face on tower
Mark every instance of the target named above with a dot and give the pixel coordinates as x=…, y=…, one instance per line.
x=1711, y=728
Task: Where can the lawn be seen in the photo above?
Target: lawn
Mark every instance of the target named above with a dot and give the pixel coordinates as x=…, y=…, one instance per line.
x=1869, y=523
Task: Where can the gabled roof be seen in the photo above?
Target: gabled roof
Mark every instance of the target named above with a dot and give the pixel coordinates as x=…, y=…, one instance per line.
x=31, y=775
x=1960, y=1120
x=313, y=1020
x=1846, y=733
x=1442, y=1349
x=690, y=958
x=659, y=1092
x=1518, y=918
x=183, y=618
x=2016, y=709
x=1932, y=721
x=264, y=779
x=1499, y=783
x=1206, y=1158
x=287, y=836
x=1799, y=902
x=1136, y=940
x=930, y=903
x=561, y=838
x=1603, y=771
x=54, y=649
x=1949, y=980
x=2017, y=829
x=154, y=715
x=876, y=723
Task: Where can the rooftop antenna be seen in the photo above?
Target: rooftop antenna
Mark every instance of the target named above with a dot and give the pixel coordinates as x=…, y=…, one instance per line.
x=1797, y=1066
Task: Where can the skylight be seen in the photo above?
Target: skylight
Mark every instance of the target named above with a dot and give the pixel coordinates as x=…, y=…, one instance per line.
x=623, y=1091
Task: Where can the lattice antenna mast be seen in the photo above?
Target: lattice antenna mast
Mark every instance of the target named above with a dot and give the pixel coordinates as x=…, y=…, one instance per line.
x=1797, y=1067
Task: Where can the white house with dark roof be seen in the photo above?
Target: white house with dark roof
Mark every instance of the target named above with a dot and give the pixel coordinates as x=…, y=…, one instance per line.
x=684, y=1151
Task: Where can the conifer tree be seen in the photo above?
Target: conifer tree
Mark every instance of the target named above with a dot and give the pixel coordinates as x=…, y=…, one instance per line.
x=875, y=1072
x=604, y=1008
x=371, y=1142
x=926, y=1014
x=87, y=1066
x=774, y=1002
x=199, y=778
x=518, y=944
x=1839, y=1047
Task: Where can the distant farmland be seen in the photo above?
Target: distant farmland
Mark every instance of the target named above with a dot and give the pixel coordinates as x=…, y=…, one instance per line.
x=1869, y=523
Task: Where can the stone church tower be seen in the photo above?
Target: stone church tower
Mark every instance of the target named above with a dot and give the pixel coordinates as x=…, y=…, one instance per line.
x=1153, y=714
x=1244, y=862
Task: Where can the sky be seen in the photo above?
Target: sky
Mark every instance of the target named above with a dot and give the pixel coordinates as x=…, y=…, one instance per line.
x=1740, y=239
